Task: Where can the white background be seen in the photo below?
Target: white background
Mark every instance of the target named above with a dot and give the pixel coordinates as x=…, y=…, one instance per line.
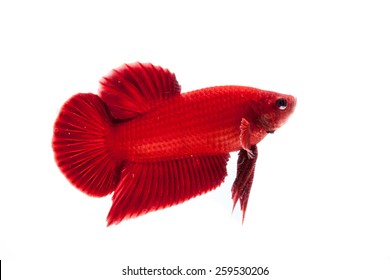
x=319, y=207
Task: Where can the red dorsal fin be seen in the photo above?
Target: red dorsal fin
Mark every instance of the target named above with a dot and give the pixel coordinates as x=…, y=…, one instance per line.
x=146, y=187
x=133, y=89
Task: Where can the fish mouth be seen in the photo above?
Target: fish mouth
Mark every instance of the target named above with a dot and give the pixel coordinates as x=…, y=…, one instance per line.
x=270, y=131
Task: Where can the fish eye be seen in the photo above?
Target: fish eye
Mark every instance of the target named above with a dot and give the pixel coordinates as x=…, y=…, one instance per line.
x=281, y=103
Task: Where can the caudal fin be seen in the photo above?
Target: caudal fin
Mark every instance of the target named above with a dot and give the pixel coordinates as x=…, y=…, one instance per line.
x=79, y=145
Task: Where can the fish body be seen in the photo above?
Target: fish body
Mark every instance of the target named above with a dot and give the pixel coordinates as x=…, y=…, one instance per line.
x=203, y=122
x=154, y=147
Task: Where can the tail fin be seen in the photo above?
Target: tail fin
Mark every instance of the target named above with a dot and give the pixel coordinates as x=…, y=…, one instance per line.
x=79, y=145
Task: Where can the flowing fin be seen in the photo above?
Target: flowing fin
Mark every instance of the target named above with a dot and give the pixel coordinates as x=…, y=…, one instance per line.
x=146, y=187
x=133, y=89
x=79, y=145
x=243, y=183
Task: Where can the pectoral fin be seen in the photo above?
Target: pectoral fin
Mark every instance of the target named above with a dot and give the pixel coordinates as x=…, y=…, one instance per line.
x=245, y=136
x=244, y=179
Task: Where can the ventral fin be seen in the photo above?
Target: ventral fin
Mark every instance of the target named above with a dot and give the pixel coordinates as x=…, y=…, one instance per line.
x=133, y=89
x=146, y=187
x=243, y=183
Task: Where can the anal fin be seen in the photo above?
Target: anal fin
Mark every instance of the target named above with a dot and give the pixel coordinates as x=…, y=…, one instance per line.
x=146, y=187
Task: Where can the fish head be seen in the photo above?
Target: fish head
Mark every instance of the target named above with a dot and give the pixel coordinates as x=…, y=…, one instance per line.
x=271, y=110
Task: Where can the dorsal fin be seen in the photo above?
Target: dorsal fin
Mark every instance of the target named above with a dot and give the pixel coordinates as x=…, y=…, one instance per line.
x=133, y=89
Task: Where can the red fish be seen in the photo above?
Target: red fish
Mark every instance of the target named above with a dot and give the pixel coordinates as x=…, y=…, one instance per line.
x=154, y=147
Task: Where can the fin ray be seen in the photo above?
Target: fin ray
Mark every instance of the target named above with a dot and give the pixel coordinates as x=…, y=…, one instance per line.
x=146, y=187
x=133, y=89
x=79, y=145
x=243, y=183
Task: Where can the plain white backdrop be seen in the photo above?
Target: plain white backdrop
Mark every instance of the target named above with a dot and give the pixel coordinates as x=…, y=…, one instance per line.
x=319, y=207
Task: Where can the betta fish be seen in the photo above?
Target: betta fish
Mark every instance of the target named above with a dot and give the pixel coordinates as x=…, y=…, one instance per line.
x=153, y=147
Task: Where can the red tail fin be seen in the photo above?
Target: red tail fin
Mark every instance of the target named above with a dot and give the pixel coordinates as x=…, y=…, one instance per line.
x=79, y=144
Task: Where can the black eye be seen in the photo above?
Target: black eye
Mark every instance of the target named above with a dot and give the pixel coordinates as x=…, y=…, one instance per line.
x=281, y=103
